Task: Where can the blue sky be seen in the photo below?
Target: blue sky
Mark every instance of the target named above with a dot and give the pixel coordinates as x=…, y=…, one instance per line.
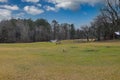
x=78, y=12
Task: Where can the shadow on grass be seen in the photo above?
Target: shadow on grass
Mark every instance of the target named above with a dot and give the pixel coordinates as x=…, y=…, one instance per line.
x=91, y=50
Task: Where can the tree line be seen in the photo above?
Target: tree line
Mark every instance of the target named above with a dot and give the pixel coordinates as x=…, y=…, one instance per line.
x=27, y=30
x=103, y=27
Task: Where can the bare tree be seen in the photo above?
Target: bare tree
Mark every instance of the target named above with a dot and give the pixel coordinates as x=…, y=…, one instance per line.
x=86, y=31
x=112, y=12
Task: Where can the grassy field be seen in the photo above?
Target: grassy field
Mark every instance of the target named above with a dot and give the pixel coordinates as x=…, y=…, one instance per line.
x=67, y=61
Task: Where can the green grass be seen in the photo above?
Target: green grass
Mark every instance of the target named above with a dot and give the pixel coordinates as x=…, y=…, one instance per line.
x=48, y=61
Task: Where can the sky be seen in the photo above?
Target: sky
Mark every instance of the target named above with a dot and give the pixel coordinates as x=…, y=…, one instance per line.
x=78, y=12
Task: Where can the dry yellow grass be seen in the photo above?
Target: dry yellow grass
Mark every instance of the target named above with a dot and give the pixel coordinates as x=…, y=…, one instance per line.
x=47, y=61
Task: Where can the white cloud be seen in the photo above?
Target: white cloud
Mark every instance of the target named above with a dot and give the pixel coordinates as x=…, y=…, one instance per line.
x=14, y=7
x=33, y=1
x=5, y=14
x=33, y=10
x=20, y=15
x=68, y=5
x=72, y=4
x=49, y=8
x=3, y=0
x=39, y=5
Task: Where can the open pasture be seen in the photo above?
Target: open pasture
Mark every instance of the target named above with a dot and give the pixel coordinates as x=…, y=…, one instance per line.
x=66, y=61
